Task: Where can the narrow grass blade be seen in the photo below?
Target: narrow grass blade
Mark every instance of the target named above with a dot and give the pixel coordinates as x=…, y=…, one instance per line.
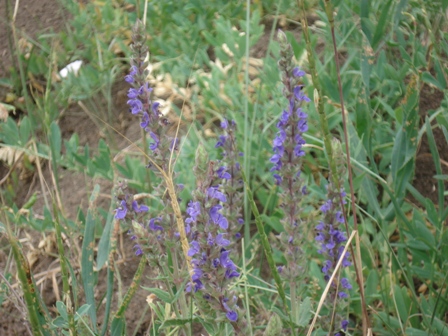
x=267, y=248
x=88, y=243
x=118, y=324
x=438, y=166
x=37, y=320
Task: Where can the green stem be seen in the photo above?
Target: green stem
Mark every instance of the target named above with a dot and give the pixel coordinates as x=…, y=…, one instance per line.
x=294, y=302
x=268, y=251
x=182, y=300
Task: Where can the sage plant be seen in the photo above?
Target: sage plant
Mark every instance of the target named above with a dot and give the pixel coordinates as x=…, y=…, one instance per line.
x=331, y=238
x=229, y=170
x=214, y=271
x=287, y=160
x=160, y=235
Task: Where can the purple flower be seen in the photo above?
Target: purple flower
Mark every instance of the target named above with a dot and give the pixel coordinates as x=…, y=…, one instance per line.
x=217, y=218
x=135, y=105
x=194, y=249
x=345, y=283
x=121, y=211
x=326, y=206
x=297, y=72
x=153, y=226
x=342, y=295
x=223, y=174
x=130, y=77
x=221, y=241
x=155, y=108
x=145, y=120
x=300, y=96
x=135, y=93
x=193, y=210
x=232, y=316
x=138, y=250
x=221, y=141
x=153, y=146
x=213, y=192
x=139, y=208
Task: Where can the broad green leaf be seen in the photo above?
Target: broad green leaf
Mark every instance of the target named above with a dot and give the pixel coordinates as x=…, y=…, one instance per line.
x=25, y=130
x=428, y=78
x=82, y=311
x=62, y=310
x=416, y=332
x=9, y=132
x=305, y=312
x=274, y=326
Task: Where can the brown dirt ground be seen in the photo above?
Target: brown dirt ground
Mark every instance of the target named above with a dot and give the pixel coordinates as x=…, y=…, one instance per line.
x=46, y=15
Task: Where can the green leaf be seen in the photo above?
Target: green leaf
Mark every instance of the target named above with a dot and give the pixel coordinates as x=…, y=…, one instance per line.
x=209, y=327
x=428, y=78
x=382, y=24
x=82, y=311
x=372, y=286
x=175, y=322
x=305, y=312
x=25, y=130
x=416, y=332
x=161, y=294
x=118, y=327
x=274, y=326
x=366, y=24
x=104, y=243
x=9, y=132
x=87, y=258
x=62, y=310
x=273, y=222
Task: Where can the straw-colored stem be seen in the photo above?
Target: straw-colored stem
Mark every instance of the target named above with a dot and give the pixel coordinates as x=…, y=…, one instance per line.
x=179, y=220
